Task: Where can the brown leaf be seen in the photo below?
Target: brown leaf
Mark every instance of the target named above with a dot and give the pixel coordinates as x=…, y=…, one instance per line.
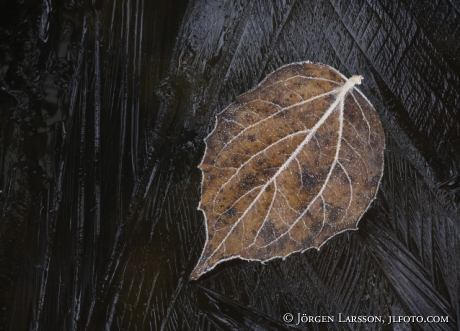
x=289, y=165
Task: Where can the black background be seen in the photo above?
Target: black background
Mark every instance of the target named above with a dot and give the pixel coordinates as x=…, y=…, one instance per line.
x=104, y=106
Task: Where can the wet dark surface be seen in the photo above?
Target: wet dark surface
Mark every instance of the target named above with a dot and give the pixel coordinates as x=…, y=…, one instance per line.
x=104, y=107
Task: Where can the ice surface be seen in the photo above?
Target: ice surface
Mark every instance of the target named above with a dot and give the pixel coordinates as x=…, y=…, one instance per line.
x=104, y=106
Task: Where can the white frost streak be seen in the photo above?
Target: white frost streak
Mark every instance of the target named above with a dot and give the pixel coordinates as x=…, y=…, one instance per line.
x=351, y=189
x=314, y=78
x=268, y=213
x=341, y=93
x=251, y=158
x=336, y=160
x=268, y=117
x=365, y=118
x=359, y=155
x=237, y=123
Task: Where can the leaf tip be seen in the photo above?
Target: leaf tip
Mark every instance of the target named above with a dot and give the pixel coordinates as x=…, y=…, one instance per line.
x=195, y=274
x=201, y=268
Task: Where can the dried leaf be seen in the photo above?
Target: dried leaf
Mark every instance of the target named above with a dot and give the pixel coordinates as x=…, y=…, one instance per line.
x=289, y=165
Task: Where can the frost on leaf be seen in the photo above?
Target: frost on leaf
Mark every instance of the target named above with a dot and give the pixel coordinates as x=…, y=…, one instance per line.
x=289, y=164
